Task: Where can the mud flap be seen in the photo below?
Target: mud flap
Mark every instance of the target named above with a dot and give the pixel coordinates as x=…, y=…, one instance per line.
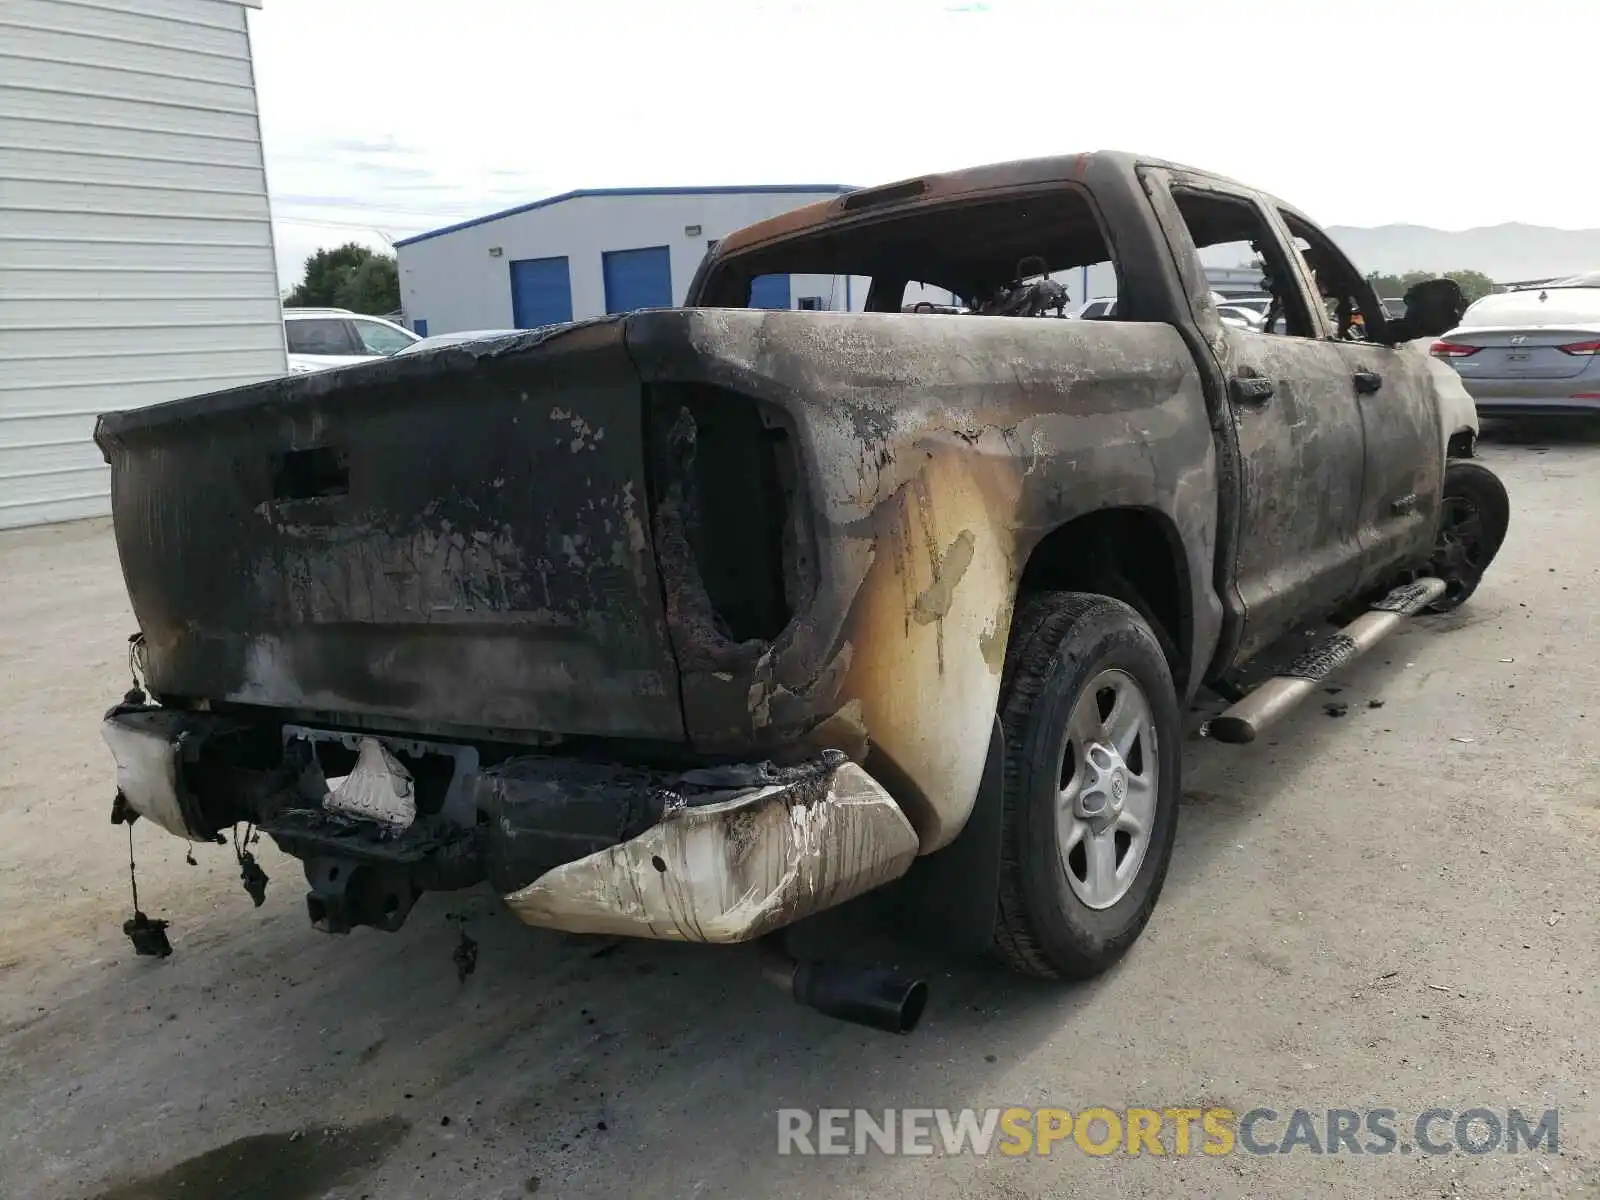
x=954, y=891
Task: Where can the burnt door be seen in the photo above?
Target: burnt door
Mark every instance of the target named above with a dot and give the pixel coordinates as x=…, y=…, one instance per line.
x=1300, y=449
x=1397, y=399
x=1293, y=413
x=1404, y=457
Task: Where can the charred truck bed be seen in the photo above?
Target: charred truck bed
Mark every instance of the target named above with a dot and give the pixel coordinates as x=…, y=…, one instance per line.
x=674, y=540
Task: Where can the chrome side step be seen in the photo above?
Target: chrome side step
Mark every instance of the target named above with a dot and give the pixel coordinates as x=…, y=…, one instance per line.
x=1245, y=721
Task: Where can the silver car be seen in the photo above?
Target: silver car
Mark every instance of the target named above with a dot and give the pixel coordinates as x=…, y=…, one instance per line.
x=1533, y=351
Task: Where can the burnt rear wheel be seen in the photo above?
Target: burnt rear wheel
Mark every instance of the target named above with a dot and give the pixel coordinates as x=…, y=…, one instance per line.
x=1473, y=516
x=1092, y=733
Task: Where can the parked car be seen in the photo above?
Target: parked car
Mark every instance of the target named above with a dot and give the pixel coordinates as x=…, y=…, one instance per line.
x=692, y=623
x=1531, y=352
x=1243, y=314
x=1104, y=309
x=320, y=338
x=434, y=341
x=1259, y=305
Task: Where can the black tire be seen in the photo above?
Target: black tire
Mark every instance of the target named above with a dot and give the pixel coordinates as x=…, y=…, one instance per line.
x=1060, y=643
x=1474, y=513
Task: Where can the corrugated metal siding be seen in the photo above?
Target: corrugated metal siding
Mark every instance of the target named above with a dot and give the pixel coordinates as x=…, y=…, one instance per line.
x=136, y=260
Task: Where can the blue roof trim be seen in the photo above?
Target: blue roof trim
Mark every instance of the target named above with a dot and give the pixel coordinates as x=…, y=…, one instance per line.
x=765, y=189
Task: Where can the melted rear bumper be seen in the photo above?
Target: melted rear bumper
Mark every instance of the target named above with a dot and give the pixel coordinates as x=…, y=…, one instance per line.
x=716, y=854
x=735, y=869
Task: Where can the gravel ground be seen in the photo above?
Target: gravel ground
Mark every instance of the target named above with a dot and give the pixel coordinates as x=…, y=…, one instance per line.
x=1391, y=909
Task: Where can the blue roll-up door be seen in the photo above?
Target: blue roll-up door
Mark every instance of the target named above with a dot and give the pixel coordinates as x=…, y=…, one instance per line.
x=637, y=278
x=769, y=291
x=541, y=292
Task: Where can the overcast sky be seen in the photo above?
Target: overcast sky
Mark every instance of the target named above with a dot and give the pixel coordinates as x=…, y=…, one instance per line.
x=388, y=117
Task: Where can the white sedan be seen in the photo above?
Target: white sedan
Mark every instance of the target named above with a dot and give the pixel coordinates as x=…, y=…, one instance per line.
x=321, y=338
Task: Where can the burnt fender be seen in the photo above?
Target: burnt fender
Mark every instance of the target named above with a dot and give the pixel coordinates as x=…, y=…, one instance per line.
x=932, y=453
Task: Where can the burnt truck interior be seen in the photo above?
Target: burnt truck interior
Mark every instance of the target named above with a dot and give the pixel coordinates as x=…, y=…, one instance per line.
x=999, y=256
x=1227, y=226
x=1220, y=224
x=996, y=255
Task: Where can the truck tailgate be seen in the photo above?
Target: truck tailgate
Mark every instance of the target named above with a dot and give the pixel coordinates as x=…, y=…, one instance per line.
x=457, y=538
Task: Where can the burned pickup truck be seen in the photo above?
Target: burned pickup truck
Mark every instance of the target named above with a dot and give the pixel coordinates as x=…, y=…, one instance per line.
x=691, y=623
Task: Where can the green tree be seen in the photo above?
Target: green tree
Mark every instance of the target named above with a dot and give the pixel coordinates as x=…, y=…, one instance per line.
x=349, y=276
x=1474, y=284
x=373, y=287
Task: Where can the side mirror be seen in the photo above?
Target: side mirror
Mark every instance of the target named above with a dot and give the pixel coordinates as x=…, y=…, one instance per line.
x=1433, y=308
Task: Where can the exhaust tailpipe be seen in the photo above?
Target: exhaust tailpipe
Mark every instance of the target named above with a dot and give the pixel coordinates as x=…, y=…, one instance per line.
x=877, y=997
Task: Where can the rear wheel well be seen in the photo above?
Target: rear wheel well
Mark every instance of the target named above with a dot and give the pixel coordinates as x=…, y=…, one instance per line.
x=1132, y=554
x=1462, y=444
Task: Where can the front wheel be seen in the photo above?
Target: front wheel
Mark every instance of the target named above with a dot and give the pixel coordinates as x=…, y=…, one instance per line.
x=1092, y=740
x=1474, y=513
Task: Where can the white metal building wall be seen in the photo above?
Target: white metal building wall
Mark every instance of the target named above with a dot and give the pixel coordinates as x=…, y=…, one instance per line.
x=454, y=280
x=136, y=260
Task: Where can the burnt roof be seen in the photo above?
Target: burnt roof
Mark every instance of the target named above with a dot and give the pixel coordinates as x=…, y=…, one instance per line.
x=938, y=188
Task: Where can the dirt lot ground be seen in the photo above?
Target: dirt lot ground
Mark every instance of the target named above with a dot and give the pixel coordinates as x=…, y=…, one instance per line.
x=1395, y=908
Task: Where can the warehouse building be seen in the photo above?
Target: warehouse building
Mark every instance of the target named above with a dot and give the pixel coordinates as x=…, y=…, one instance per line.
x=587, y=253
x=136, y=260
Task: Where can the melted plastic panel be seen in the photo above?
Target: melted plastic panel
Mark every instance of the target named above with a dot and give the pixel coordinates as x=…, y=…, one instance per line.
x=147, y=774
x=734, y=869
x=379, y=789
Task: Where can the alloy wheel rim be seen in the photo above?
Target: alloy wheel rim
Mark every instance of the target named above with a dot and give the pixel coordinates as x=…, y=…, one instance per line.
x=1109, y=780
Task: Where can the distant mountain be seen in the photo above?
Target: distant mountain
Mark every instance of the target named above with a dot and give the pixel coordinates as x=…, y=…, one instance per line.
x=1502, y=252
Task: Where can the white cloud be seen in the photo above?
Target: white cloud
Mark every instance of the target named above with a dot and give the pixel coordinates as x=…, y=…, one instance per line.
x=386, y=118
